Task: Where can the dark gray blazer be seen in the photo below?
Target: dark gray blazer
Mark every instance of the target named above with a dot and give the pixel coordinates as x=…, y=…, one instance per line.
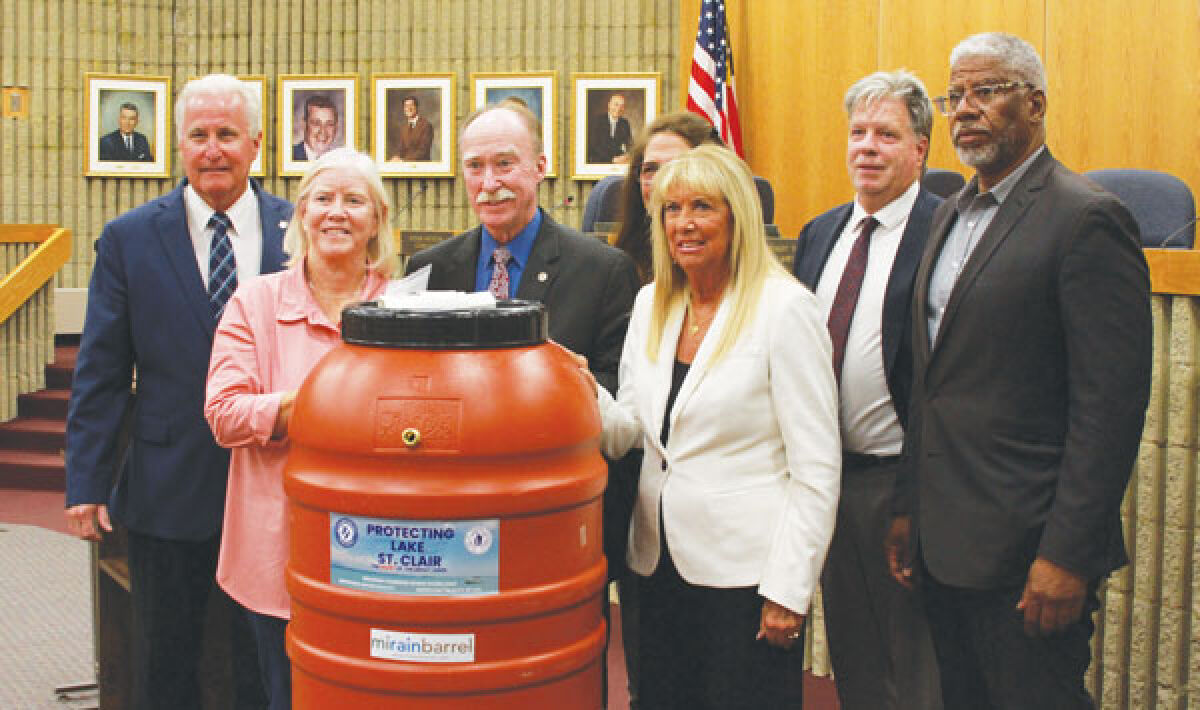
x=1027, y=412
x=812, y=251
x=588, y=288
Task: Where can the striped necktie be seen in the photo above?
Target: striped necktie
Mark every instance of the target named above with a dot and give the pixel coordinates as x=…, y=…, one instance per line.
x=222, y=267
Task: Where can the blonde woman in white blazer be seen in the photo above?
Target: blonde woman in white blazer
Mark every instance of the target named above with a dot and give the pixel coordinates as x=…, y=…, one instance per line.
x=745, y=487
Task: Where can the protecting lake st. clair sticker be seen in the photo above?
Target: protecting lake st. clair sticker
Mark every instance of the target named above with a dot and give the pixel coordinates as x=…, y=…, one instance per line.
x=414, y=557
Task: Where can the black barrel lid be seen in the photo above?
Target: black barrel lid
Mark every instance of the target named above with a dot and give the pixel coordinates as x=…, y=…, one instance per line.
x=510, y=324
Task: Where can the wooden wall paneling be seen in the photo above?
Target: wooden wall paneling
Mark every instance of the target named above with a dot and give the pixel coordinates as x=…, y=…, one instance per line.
x=793, y=67
x=918, y=35
x=1124, y=85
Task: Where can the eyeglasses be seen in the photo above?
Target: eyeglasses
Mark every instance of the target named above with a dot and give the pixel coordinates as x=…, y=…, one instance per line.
x=978, y=96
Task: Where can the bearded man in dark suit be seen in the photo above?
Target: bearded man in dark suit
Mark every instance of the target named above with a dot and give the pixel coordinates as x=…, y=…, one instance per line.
x=1031, y=375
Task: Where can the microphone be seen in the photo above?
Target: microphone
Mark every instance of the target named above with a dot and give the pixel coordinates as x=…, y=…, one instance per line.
x=1186, y=225
x=412, y=198
x=567, y=203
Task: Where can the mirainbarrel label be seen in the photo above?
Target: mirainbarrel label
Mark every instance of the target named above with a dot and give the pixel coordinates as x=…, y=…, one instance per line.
x=421, y=647
x=414, y=557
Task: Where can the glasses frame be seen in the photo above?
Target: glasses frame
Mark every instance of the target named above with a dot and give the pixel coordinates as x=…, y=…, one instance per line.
x=947, y=105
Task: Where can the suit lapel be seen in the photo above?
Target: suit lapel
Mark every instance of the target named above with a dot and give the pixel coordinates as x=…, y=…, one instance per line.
x=663, y=368
x=897, y=295
x=1007, y=217
x=699, y=367
x=943, y=220
x=541, y=268
x=822, y=248
x=170, y=226
x=274, y=217
x=459, y=270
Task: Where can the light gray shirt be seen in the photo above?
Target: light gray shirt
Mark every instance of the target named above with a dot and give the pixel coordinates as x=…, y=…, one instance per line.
x=975, y=213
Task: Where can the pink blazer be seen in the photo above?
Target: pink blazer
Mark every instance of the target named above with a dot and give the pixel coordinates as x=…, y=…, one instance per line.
x=271, y=334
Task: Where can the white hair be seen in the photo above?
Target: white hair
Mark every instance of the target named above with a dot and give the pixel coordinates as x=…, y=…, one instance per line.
x=1013, y=53
x=381, y=249
x=220, y=85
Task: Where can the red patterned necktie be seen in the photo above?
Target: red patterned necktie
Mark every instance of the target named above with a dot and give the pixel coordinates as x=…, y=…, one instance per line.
x=499, y=284
x=842, y=311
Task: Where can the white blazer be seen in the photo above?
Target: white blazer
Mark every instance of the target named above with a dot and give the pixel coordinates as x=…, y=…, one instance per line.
x=750, y=477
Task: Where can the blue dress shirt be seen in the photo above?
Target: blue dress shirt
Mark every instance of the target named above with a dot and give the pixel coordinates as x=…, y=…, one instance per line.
x=519, y=248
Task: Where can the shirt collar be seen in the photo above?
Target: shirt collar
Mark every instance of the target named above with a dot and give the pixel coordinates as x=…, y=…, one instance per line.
x=296, y=302
x=241, y=213
x=519, y=247
x=891, y=214
x=1003, y=188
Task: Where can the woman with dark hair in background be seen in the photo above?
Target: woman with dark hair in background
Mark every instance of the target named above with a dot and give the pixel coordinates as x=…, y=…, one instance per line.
x=667, y=137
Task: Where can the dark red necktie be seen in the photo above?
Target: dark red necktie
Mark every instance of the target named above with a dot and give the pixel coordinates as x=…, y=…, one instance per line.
x=842, y=311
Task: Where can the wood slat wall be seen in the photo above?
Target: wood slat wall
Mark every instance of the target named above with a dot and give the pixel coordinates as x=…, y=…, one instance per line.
x=47, y=45
x=1123, y=80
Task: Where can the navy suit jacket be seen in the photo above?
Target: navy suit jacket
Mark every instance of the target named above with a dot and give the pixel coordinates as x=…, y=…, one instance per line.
x=112, y=147
x=148, y=310
x=812, y=251
x=588, y=288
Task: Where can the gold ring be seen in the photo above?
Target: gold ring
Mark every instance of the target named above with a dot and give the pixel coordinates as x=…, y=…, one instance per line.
x=794, y=635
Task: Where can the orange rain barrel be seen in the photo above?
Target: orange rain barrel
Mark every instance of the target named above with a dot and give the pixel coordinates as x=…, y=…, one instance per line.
x=444, y=489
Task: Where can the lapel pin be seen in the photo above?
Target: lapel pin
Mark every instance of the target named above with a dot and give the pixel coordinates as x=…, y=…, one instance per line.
x=542, y=276
x=283, y=224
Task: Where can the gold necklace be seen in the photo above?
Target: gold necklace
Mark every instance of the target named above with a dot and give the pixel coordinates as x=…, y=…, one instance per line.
x=697, y=324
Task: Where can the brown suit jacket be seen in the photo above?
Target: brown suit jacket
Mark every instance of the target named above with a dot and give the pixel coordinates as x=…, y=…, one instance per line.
x=411, y=142
x=1027, y=411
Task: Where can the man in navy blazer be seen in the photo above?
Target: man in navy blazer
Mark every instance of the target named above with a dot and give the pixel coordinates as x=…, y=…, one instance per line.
x=878, y=639
x=149, y=314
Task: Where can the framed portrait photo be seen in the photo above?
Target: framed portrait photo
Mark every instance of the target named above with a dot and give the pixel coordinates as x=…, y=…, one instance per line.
x=536, y=90
x=317, y=113
x=610, y=110
x=127, y=121
x=412, y=124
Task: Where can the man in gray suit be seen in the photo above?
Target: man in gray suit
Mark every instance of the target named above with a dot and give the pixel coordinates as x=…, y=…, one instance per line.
x=878, y=638
x=520, y=252
x=1031, y=372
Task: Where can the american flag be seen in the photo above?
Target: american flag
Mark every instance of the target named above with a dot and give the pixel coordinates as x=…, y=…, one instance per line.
x=710, y=90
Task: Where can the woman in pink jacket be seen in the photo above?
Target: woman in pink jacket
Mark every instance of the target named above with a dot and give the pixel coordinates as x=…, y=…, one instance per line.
x=273, y=331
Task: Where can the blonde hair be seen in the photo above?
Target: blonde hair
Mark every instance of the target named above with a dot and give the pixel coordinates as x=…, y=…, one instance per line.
x=717, y=173
x=381, y=249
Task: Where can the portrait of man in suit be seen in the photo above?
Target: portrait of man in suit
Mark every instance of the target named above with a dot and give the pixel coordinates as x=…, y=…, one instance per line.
x=410, y=134
x=1031, y=359
x=318, y=127
x=609, y=134
x=126, y=144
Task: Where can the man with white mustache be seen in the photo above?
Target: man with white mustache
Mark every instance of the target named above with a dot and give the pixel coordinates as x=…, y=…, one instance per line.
x=520, y=252
x=1031, y=373
x=878, y=638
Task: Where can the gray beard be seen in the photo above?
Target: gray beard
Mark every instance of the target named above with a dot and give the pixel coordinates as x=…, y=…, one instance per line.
x=983, y=155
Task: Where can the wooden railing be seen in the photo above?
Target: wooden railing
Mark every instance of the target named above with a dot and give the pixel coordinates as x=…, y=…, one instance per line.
x=30, y=255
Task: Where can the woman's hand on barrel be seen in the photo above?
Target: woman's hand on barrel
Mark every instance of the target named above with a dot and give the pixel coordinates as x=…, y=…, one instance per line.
x=780, y=626
x=284, y=417
x=582, y=363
